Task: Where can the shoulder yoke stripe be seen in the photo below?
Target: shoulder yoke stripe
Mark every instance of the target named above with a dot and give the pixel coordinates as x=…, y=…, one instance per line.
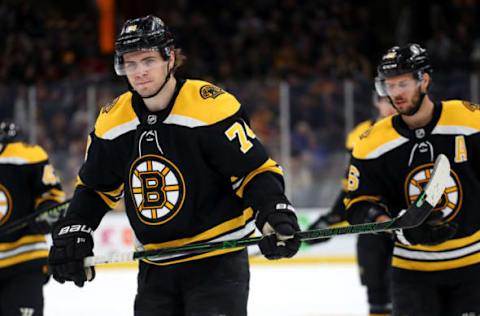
x=121, y=129
x=117, y=118
x=22, y=154
x=458, y=118
x=200, y=103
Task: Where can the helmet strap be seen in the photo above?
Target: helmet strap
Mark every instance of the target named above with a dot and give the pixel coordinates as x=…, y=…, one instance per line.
x=167, y=77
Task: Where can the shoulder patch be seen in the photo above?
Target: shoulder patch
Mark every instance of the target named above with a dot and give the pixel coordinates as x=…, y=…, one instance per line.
x=106, y=108
x=20, y=153
x=200, y=103
x=359, y=131
x=116, y=118
x=210, y=91
x=378, y=140
x=471, y=106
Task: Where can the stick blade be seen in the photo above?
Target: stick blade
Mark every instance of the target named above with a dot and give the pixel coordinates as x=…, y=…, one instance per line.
x=418, y=212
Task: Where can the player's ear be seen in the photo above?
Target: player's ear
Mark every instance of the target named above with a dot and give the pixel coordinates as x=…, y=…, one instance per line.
x=426, y=79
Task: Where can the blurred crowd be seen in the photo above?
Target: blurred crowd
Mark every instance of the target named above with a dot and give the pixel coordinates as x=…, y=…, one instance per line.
x=50, y=54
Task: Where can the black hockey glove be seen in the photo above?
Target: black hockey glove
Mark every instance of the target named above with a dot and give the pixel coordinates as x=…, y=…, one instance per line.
x=430, y=233
x=278, y=227
x=72, y=242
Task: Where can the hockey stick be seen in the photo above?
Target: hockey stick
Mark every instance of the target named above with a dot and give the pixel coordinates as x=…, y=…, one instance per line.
x=414, y=216
x=25, y=221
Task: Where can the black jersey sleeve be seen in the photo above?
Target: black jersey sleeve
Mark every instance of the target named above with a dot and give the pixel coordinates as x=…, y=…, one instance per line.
x=364, y=189
x=47, y=188
x=100, y=185
x=235, y=151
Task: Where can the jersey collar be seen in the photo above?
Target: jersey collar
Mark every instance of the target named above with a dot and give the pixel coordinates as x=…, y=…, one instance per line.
x=417, y=133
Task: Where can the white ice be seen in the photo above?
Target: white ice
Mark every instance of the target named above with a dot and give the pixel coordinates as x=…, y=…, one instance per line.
x=276, y=290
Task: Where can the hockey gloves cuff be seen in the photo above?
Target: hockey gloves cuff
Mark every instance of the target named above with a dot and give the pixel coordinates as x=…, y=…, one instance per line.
x=278, y=223
x=431, y=232
x=72, y=242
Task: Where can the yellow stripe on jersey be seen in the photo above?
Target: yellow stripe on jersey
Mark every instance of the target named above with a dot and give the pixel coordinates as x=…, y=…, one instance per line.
x=194, y=108
x=25, y=240
x=24, y=257
x=355, y=134
x=111, y=198
x=378, y=140
x=21, y=153
x=117, y=118
x=201, y=256
x=458, y=118
x=452, y=254
x=218, y=230
x=269, y=166
x=362, y=198
x=436, y=265
x=55, y=195
x=448, y=245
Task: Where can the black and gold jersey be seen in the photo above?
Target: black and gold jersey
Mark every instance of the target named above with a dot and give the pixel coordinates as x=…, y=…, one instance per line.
x=27, y=181
x=391, y=163
x=337, y=215
x=183, y=171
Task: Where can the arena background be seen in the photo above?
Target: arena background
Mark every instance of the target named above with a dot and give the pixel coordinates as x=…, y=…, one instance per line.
x=302, y=69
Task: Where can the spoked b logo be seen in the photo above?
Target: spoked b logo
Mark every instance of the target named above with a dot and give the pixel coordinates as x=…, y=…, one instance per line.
x=452, y=197
x=157, y=189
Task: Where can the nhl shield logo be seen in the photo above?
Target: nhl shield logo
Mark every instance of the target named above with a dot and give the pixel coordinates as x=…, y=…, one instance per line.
x=451, y=200
x=157, y=189
x=5, y=204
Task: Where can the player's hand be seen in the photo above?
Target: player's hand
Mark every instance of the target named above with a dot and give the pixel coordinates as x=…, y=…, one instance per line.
x=278, y=227
x=72, y=242
x=431, y=232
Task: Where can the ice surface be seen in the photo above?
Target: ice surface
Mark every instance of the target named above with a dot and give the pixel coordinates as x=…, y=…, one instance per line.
x=276, y=290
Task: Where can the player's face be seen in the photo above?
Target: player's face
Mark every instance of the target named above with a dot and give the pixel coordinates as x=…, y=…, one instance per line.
x=145, y=70
x=404, y=90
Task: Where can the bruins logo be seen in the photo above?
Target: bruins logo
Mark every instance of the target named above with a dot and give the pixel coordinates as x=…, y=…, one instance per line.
x=471, y=106
x=157, y=188
x=210, y=91
x=5, y=204
x=366, y=133
x=451, y=201
x=108, y=107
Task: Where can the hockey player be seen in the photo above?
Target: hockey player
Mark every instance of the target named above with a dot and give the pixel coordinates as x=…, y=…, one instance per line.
x=374, y=251
x=27, y=183
x=435, y=267
x=192, y=171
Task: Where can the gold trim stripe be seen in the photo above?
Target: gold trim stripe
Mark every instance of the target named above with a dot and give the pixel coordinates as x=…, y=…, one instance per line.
x=208, y=234
x=24, y=257
x=30, y=239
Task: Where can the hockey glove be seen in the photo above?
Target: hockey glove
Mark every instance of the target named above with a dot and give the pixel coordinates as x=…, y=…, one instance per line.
x=278, y=227
x=430, y=233
x=72, y=242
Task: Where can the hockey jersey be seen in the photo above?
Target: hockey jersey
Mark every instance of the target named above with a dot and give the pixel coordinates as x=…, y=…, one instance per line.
x=27, y=180
x=182, y=170
x=391, y=163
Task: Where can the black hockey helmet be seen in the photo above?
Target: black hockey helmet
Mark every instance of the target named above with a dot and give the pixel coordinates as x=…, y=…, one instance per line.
x=145, y=33
x=411, y=58
x=8, y=132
